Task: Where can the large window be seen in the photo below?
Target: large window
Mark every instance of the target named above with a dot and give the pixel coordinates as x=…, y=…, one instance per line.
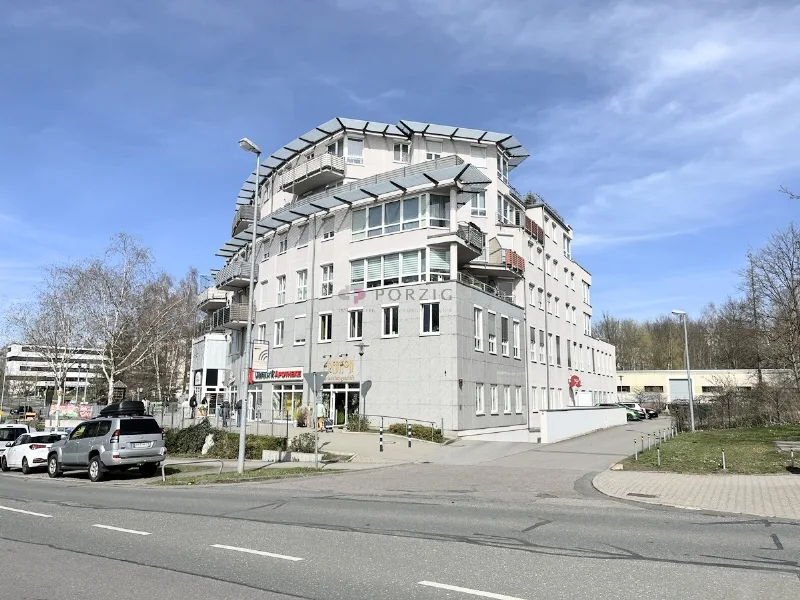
x=541, y=346
x=477, y=155
x=391, y=269
x=478, y=206
x=325, y=327
x=286, y=399
x=299, y=330
x=506, y=210
x=429, y=313
x=439, y=264
x=328, y=229
x=477, y=313
x=302, y=285
x=569, y=354
x=517, y=349
x=586, y=293
x=391, y=316
x=518, y=399
x=402, y=152
x=283, y=245
x=281, y=300
x=480, y=404
x=439, y=210
x=433, y=150
x=386, y=218
x=355, y=329
x=502, y=167
x=493, y=399
x=587, y=324
x=540, y=298
x=278, y=337
x=558, y=350
x=492, y=327
x=507, y=399
x=550, y=303
x=532, y=344
x=327, y=280
x=336, y=148
x=262, y=333
x=557, y=306
x=548, y=265
x=504, y=335
x=354, y=150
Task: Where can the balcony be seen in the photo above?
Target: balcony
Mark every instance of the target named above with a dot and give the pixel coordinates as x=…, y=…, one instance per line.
x=210, y=299
x=469, y=239
x=317, y=172
x=472, y=282
x=235, y=275
x=242, y=219
x=534, y=230
x=233, y=316
x=498, y=261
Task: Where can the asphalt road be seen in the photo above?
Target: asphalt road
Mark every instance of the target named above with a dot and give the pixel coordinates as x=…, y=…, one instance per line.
x=487, y=520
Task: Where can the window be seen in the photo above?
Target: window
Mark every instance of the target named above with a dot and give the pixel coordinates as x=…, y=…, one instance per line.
x=325, y=327
x=430, y=317
x=478, y=204
x=413, y=213
x=477, y=156
x=572, y=281
x=281, y=279
x=386, y=218
x=534, y=400
x=518, y=399
x=504, y=335
x=655, y=388
x=492, y=327
x=517, y=349
x=262, y=333
x=327, y=281
x=560, y=399
x=302, y=240
x=566, y=311
x=391, y=314
x=574, y=316
x=439, y=210
x=283, y=245
x=548, y=265
x=569, y=354
x=586, y=293
x=550, y=352
x=507, y=399
x=402, y=152
x=506, y=211
x=299, y=330
x=541, y=346
x=557, y=307
x=377, y=271
x=567, y=246
x=587, y=324
x=540, y=258
x=531, y=294
x=278, y=334
x=337, y=147
x=594, y=369
x=566, y=276
x=355, y=151
x=580, y=357
x=355, y=330
x=550, y=304
x=558, y=350
x=433, y=150
x=480, y=405
x=327, y=229
x=540, y=298
x=439, y=264
x=627, y=388
x=358, y=224
x=477, y=313
x=706, y=389
x=502, y=167
x=555, y=269
x=532, y=344
x=493, y=398
x=302, y=285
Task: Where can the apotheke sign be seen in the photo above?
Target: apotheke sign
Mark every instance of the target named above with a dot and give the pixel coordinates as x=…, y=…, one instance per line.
x=277, y=375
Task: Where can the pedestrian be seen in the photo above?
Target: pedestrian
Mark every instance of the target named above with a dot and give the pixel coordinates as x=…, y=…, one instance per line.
x=238, y=413
x=321, y=416
x=193, y=404
x=226, y=412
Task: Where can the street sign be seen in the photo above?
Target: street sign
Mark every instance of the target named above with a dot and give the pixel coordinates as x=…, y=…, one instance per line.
x=315, y=380
x=365, y=387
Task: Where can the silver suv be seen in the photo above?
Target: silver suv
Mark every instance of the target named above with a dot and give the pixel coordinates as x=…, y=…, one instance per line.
x=107, y=444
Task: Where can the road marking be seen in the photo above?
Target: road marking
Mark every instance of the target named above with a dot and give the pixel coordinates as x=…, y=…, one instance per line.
x=122, y=530
x=777, y=541
x=259, y=552
x=25, y=512
x=463, y=590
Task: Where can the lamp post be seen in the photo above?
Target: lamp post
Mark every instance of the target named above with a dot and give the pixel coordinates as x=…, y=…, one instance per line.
x=683, y=316
x=361, y=400
x=244, y=379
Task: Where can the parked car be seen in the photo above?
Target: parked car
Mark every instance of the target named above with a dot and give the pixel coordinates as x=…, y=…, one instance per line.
x=111, y=442
x=28, y=452
x=10, y=432
x=651, y=413
x=22, y=409
x=631, y=414
x=635, y=406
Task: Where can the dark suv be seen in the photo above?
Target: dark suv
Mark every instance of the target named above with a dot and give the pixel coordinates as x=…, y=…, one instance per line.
x=108, y=444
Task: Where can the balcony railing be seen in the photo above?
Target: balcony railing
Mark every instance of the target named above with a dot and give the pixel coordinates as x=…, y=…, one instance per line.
x=534, y=230
x=320, y=164
x=234, y=275
x=469, y=280
x=211, y=295
x=472, y=235
x=514, y=261
x=242, y=219
x=233, y=316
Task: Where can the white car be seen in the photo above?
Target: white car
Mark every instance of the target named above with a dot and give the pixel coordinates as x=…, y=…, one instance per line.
x=28, y=451
x=10, y=432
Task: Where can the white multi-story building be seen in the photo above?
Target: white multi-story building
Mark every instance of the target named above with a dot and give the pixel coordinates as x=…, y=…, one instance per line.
x=28, y=370
x=408, y=239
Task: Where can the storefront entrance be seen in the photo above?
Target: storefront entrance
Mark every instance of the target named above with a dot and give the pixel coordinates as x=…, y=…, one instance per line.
x=286, y=401
x=341, y=400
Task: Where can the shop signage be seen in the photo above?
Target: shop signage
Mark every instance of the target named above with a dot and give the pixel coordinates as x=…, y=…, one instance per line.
x=574, y=381
x=340, y=370
x=198, y=378
x=261, y=356
x=269, y=375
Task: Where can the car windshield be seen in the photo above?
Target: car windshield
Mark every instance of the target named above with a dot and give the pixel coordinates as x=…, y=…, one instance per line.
x=45, y=439
x=9, y=434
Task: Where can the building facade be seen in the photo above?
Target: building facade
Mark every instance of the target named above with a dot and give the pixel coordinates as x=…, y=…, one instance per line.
x=28, y=371
x=399, y=259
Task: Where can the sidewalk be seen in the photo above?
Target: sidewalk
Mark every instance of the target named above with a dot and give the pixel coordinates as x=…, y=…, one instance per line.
x=762, y=495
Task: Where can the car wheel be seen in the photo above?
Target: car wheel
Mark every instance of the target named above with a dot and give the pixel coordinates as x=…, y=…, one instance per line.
x=96, y=469
x=148, y=470
x=25, y=468
x=53, y=468
x=3, y=464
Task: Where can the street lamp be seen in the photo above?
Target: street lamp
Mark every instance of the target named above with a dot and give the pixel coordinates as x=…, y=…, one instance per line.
x=244, y=380
x=362, y=401
x=683, y=316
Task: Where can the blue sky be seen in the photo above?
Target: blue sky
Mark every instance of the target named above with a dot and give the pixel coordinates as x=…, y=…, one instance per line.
x=660, y=130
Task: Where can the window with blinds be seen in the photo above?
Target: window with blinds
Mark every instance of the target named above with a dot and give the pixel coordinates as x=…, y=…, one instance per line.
x=391, y=269
x=439, y=210
x=411, y=266
x=374, y=274
x=302, y=240
x=439, y=263
x=354, y=150
x=491, y=326
x=387, y=218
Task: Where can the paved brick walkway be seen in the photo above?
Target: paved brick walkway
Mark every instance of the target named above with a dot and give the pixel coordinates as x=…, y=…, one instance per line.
x=762, y=495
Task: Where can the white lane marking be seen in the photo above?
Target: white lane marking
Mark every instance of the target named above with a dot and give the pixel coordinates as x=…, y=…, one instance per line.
x=463, y=590
x=122, y=530
x=25, y=512
x=259, y=552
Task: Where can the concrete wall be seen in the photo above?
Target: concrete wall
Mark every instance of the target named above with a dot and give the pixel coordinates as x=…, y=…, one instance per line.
x=653, y=384
x=557, y=425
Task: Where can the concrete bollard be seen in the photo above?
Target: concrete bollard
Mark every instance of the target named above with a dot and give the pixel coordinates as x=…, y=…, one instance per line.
x=724, y=467
x=648, y=442
x=380, y=436
x=658, y=454
x=635, y=450
x=792, y=453
x=408, y=433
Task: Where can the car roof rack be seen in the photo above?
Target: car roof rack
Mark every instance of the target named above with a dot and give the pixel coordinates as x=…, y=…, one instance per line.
x=125, y=408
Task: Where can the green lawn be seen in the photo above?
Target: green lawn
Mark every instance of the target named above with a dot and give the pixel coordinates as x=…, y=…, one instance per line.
x=748, y=451
x=248, y=476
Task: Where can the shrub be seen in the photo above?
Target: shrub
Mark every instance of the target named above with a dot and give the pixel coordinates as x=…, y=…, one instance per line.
x=189, y=440
x=420, y=432
x=305, y=442
x=226, y=445
x=357, y=423
x=301, y=417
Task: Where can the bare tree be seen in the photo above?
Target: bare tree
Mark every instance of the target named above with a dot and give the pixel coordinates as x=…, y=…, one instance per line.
x=789, y=193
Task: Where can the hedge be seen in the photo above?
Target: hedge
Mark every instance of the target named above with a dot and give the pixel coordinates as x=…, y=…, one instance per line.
x=226, y=444
x=420, y=432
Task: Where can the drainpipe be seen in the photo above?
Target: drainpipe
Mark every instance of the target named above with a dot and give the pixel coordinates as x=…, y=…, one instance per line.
x=546, y=331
